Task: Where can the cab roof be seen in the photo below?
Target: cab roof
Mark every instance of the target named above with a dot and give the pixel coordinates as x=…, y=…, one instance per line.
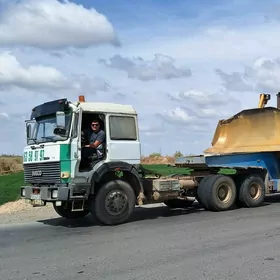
x=107, y=107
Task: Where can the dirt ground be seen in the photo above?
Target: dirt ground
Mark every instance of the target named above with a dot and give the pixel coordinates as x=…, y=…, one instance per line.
x=158, y=160
x=21, y=212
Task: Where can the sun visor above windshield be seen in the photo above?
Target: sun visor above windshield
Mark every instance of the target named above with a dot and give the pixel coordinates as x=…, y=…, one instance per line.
x=49, y=108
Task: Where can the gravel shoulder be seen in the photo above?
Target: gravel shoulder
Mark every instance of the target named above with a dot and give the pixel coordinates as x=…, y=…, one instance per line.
x=22, y=212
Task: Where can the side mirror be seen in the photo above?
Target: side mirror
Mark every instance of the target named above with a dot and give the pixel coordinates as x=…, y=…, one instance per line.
x=60, y=131
x=60, y=119
x=28, y=131
x=60, y=124
x=30, y=125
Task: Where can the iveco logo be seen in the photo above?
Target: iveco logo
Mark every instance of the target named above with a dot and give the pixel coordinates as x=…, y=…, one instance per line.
x=37, y=173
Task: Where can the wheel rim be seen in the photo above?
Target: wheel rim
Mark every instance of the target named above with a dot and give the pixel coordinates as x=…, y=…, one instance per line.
x=116, y=202
x=255, y=191
x=224, y=193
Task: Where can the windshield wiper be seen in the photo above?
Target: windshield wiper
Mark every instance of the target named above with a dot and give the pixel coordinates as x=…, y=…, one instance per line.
x=48, y=137
x=34, y=139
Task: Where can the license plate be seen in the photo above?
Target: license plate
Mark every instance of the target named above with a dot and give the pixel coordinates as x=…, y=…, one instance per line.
x=37, y=203
x=35, y=196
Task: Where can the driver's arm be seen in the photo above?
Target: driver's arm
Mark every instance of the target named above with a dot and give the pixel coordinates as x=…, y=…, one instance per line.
x=100, y=139
x=95, y=144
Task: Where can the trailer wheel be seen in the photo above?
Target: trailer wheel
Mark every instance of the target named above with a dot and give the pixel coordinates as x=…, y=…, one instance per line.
x=114, y=203
x=220, y=193
x=178, y=203
x=67, y=213
x=252, y=191
x=201, y=191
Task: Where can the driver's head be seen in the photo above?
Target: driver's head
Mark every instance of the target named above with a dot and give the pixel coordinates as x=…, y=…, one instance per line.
x=95, y=125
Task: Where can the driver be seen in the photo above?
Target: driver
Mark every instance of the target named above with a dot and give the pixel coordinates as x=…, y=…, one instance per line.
x=96, y=140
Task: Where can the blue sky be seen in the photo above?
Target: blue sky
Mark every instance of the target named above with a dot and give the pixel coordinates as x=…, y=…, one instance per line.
x=182, y=64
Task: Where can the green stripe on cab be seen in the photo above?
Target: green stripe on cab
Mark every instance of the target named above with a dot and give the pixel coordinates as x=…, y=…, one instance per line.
x=65, y=161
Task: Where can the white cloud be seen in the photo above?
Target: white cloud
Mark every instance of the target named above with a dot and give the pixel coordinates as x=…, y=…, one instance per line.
x=4, y=115
x=263, y=75
x=204, y=106
x=178, y=115
x=51, y=24
x=82, y=83
x=13, y=74
x=218, y=44
x=202, y=98
x=162, y=67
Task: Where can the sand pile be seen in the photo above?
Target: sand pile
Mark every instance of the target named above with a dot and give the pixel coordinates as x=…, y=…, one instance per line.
x=158, y=160
x=21, y=206
x=14, y=206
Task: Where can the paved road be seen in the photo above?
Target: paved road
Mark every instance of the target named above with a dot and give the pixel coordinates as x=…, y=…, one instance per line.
x=158, y=244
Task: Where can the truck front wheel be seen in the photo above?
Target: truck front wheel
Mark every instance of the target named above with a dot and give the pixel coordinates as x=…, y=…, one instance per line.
x=114, y=203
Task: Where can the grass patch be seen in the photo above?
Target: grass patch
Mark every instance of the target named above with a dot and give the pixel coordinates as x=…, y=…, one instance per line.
x=166, y=170
x=10, y=187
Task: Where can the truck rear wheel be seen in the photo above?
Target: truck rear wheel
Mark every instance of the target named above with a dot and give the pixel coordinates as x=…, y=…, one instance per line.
x=66, y=212
x=252, y=191
x=201, y=191
x=178, y=203
x=220, y=193
x=114, y=203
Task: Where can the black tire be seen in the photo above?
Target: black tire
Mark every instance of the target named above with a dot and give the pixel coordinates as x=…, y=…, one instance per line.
x=201, y=191
x=67, y=213
x=178, y=203
x=101, y=210
x=252, y=191
x=220, y=193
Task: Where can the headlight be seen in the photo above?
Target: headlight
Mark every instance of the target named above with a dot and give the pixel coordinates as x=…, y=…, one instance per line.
x=54, y=193
x=64, y=175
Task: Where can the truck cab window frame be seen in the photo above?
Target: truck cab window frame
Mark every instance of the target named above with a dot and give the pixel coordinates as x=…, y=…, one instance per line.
x=122, y=128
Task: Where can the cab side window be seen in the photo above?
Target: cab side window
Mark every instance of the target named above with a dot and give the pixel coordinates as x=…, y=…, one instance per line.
x=74, y=132
x=122, y=128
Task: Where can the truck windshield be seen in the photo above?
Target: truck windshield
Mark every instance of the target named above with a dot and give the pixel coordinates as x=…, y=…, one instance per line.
x=44, y=127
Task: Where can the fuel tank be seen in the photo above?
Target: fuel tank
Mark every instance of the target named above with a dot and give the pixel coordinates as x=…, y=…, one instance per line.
x=252, y=130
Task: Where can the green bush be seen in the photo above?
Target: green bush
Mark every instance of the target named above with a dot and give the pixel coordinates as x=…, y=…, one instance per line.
x=178, y=154
x=155, y=155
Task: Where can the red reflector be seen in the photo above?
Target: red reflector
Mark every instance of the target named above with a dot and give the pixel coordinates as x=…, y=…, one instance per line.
x=36, y=191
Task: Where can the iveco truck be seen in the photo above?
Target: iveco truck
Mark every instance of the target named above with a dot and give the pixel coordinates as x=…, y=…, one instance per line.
x=57, y=171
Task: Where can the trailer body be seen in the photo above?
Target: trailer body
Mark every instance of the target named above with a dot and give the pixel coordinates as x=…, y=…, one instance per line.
x=269, y=162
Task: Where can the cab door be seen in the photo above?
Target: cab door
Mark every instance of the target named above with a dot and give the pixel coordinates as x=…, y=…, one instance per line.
x=76, y=142
x=122, y=138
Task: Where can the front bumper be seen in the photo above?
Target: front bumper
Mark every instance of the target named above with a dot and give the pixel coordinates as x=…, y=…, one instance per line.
x=62, y=192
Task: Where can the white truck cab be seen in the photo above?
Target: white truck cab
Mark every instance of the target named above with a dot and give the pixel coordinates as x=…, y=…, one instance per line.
x=56, y=135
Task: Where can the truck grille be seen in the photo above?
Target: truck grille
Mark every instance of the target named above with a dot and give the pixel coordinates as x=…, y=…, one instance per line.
x=47, y=172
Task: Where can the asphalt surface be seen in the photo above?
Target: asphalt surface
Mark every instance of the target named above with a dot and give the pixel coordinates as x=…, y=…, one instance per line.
x=157, y=244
